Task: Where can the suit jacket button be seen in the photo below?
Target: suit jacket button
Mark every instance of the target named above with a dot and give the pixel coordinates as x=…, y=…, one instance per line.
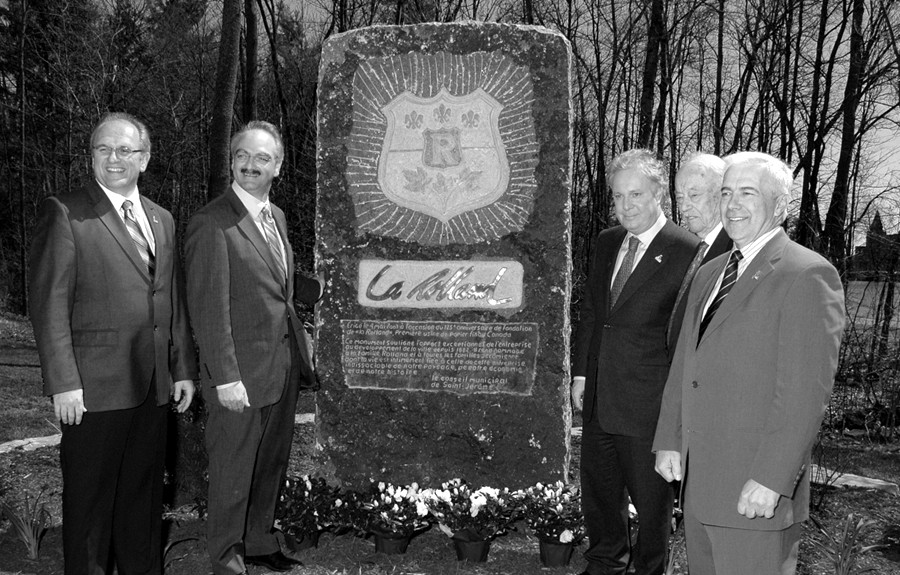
x=695, y=385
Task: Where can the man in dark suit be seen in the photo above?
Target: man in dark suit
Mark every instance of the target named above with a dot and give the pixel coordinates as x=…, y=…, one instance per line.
x=621, y=363
x=254, y=351
x=698, y=188
x=112, y=334
x=752, y=375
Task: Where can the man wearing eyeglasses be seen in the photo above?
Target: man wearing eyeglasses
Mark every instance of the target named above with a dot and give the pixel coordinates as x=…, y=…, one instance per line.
x=112, y=333
x=254, y=352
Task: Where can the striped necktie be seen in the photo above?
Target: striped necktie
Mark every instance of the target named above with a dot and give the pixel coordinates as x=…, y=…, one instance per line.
x=728, y=281
x=268, y=224
x=137, y=236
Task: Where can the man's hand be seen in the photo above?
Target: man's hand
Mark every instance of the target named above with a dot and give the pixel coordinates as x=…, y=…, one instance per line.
x=183, y=394
x=668, y=465
x=69, y=406
x=757, y=501
x=234, y=397
x=578, y=393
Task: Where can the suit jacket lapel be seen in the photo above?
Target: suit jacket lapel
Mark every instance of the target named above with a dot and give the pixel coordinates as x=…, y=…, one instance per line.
x=249, y=228
x=160, y=240
x=281, y=226
x=650, y=263
x=107, y=214
x=720, y=245
x=761, y=266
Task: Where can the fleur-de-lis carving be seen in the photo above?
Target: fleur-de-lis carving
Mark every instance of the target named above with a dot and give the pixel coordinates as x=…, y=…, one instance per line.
x=470, y=119
x=413, y=120
x=442, y=114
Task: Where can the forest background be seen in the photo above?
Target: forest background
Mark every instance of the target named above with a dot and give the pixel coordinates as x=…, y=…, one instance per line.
x=814, y=82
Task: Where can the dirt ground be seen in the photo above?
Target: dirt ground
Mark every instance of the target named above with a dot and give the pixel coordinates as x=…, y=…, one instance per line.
x=430, y=553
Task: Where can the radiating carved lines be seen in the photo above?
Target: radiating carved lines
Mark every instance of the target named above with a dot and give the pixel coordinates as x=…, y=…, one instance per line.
x=380, y=80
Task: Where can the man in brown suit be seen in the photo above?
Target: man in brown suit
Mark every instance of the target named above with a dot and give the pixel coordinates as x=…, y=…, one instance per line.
x=254, y=352
x=752, y=374
x=112, y=334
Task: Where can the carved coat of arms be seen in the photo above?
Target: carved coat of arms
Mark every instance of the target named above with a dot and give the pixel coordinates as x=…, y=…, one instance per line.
x=443, y=156
x=442, y=147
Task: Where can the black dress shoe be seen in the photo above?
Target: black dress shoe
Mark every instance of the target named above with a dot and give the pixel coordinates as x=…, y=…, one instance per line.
x=276, y=561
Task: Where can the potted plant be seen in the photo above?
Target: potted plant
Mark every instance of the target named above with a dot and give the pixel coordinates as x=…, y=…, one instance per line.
x=472, y=518
x=305, y=508
x=553, y=513
x=395, y=513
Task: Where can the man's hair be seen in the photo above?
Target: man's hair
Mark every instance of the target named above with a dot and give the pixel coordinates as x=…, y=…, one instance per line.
x=109, y=117
x=712, y=168
x=778, y=175
x=265, y=127
x=644, y=161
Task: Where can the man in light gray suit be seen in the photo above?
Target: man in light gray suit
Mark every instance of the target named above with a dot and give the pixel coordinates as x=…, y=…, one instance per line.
x=753, y=372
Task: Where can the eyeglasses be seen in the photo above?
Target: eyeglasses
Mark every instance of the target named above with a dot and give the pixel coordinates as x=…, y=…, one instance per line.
x=123, y=152
x=259, y=159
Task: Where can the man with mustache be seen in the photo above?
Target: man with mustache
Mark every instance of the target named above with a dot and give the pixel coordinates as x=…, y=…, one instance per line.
x=254, y=352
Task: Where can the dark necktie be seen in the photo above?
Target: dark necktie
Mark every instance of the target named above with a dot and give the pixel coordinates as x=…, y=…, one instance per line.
x=685, y=284
x=624, y=271
x=137, y=236
x=728, y=281
x=268, y=223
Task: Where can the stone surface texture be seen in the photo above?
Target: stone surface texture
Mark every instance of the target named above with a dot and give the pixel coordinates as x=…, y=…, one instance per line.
x=447, y=144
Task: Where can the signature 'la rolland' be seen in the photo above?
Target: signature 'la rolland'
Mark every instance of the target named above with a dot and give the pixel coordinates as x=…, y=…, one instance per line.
x=435, y=286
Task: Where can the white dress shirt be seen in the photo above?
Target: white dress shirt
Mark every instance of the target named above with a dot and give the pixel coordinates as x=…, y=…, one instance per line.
x=137, y=208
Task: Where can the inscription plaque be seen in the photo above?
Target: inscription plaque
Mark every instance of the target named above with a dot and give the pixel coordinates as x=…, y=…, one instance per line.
x=440, y=356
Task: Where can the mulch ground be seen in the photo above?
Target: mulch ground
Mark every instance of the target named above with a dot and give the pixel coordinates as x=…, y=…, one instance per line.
x=430, y=553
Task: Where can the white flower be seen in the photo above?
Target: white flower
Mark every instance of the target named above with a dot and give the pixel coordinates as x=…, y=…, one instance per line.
x=338, y=502
x=381, y=486
x=421, y=509
x=566, y=536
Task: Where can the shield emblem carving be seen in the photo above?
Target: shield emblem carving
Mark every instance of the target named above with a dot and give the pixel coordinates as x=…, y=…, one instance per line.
x=443, y=156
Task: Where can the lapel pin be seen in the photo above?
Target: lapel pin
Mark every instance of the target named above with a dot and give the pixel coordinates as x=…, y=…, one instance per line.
x=155, y=221
x=658, y=259
x=756, y=275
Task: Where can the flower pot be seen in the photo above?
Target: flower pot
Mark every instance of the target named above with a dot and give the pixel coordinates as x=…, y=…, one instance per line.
x=472, y=551
x=556, y=554
x=306, y=540
x=392, y=544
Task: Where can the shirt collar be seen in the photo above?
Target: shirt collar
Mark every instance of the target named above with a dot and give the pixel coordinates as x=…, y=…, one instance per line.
x=750, y=250
x=649, y=234
x=711, y=236
x=253, y=205
x=118, y=199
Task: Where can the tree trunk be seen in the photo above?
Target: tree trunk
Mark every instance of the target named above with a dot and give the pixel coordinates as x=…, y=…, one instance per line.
x=23, y=151
x=718, y=129
x=223, y=99
x=835, y=220
x=655, y=32
x=251, y=49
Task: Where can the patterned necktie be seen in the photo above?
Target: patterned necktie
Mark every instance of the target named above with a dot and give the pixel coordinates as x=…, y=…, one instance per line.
x=268, y=224
x=137, y=236
x=624, y=271
x=728, y=281
x=685, y=284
